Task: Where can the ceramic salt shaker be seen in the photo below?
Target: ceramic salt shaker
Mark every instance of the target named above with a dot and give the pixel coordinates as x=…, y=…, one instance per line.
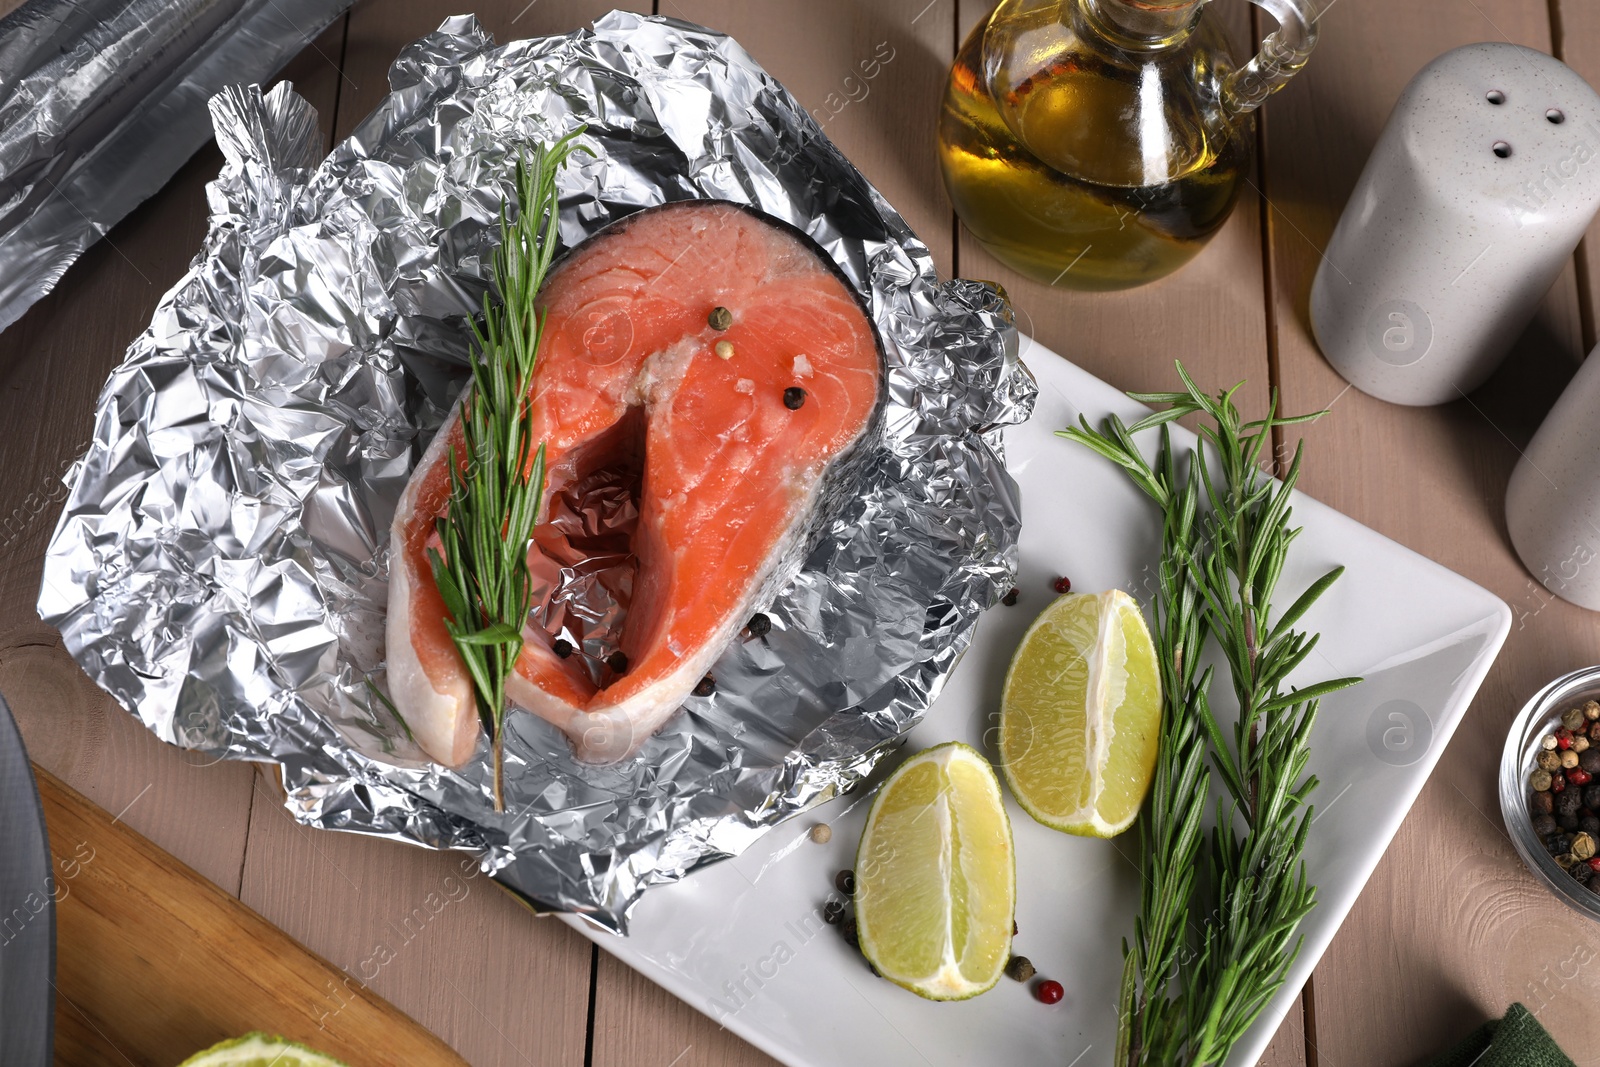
x=1553, y=501
x=1475, y=197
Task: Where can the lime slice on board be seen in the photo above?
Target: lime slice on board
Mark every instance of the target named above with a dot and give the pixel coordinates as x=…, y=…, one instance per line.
x=936, y=879
x=1080, y=716
x=260, y=1050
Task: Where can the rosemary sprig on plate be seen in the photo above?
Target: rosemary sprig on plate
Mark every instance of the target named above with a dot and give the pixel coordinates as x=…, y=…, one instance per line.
x=497, y=476
x=1170, y=827
x=1192, y=982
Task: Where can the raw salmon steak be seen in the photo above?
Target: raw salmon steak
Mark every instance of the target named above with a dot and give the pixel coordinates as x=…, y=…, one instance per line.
x=724, y=441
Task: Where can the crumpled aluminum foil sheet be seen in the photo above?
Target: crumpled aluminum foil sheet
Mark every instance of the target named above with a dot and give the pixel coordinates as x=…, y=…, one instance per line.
x=220, y=563
x=101, y=101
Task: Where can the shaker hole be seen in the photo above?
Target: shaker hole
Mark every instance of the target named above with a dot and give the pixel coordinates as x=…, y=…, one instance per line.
x=1555, y=116
x=1495, y=96
x=1502, y=150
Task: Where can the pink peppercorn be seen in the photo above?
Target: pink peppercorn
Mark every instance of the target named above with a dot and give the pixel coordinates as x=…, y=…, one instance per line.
x=1049, y=991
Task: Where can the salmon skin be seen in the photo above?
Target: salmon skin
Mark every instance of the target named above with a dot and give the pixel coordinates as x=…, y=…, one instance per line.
x=730, y=437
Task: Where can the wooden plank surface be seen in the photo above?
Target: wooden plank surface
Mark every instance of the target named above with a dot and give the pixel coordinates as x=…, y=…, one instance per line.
x=455, y=952
x=154, y=963
x=1451, y=928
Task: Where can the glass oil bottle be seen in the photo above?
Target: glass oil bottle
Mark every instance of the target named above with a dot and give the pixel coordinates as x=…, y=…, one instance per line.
x=1099, y=144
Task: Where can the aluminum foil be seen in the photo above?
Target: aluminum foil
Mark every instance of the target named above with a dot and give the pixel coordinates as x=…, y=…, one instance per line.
x=101, y=101
x=220, y=564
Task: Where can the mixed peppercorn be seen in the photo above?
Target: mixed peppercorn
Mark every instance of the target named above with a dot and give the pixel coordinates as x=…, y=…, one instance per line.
x=1565, y=797
x=1061, y=585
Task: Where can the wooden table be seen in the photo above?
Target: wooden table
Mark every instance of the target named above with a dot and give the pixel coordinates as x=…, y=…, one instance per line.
x=1449, y=930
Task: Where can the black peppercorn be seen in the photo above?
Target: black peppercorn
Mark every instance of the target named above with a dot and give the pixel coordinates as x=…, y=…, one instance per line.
x=1544, y=825
x=1589, y=823
x=562, y=648
x=720, y=318
x=1591, y=796
x=618, y=661
x=1011, y=598
x=1558, y=844
x=851, y=934
x=794, y=398
x=1569, y=802
x=845, y=882
x=1568, y=823
x=705, y=686
x=1582, y=872
x=1541, y=803
x=1589, y=760
x=1019, y=969
x=833, y=912
x=759, y=625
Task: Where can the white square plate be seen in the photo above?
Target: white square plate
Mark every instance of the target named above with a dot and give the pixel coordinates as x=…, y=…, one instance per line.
x=744, y=942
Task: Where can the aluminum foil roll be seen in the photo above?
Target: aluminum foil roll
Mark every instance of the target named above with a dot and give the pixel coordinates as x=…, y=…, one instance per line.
x=101, y=101
x=220, y=563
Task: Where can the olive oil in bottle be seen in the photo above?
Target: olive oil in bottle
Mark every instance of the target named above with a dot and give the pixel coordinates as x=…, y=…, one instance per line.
x=1091, y=153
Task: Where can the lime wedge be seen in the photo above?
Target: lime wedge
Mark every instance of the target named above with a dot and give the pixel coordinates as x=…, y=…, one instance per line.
x=259, y=1050
x=1080, y=717
x=936, y=879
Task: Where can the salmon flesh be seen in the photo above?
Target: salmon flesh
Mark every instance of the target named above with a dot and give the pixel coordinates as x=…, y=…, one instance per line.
x=722, y=439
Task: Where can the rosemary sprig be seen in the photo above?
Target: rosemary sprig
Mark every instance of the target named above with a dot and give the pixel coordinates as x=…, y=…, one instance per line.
x=1171, y=827
x=1192, y=984
x=497, y=477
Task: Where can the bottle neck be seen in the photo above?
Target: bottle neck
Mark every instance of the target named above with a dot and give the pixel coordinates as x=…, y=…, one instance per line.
x=1145, y=24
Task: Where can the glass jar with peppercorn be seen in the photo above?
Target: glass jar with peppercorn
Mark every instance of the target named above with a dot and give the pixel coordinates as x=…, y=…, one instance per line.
x=1550, y=787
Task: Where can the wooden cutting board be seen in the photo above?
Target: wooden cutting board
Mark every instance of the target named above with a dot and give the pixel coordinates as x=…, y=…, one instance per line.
x=154, y=963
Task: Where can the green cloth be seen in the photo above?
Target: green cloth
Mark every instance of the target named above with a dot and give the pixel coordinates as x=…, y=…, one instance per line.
x=1515, y=1041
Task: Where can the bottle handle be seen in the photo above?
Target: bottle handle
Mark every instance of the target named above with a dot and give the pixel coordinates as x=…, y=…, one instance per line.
x=1282, y=55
